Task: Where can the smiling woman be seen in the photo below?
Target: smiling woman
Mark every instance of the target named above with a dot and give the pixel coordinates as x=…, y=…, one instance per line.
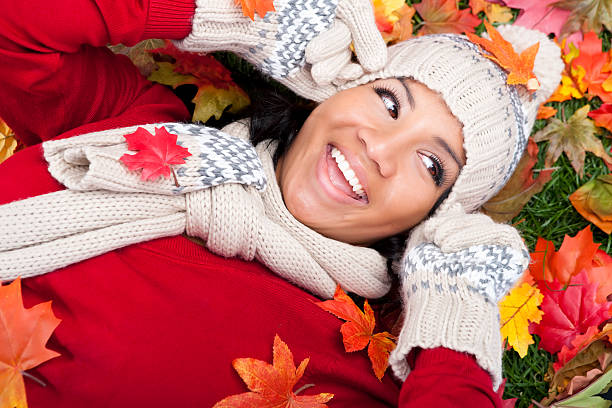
x=408, y=143
x=353, y=171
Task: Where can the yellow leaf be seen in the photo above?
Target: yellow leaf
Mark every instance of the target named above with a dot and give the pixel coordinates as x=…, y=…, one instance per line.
x=497, y=13
x=211, y=101
x=8, y=143
x=517, y=309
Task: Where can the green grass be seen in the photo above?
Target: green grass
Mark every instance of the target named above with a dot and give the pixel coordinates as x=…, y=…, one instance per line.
x=526, y=377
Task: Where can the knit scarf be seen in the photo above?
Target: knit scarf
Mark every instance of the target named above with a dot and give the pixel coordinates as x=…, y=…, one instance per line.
x=218, y=200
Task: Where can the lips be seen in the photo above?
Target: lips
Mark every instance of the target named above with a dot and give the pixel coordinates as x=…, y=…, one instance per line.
x=342, y=176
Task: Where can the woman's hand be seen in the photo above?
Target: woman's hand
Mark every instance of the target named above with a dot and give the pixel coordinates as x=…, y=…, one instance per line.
x=305, y=44
x=457, y=268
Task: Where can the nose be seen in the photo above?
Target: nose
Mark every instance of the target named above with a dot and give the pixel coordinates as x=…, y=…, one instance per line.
x=383, y=148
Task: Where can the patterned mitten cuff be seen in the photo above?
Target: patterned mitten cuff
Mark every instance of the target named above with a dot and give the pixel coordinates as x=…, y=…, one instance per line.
x=93, y=161
x=450, y=300
x=304, y=43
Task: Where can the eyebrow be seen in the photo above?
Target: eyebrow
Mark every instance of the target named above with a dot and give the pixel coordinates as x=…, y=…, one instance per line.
x=408, y=93
x=450, y=151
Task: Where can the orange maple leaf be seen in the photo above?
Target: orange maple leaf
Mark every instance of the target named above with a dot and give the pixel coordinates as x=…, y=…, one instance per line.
x=23, y=335
x=249, y=7
x=594, y=67
x=358, y=331
x=271, y=385
x=575, y=255
x=443, y=16
x=519, y=67
x=545, y=112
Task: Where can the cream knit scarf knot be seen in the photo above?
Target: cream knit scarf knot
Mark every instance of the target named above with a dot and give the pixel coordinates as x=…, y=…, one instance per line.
x=108, y=207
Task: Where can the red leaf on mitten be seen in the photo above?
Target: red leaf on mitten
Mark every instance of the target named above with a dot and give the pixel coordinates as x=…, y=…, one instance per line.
x=156, y=153
x=568, y=312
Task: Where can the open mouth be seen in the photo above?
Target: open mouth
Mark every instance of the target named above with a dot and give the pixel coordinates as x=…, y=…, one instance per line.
x=342, y=175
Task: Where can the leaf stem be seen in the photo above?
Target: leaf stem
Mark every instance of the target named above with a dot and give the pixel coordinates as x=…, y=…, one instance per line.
x=174, y=175
x=303, y=387
x=31, y=377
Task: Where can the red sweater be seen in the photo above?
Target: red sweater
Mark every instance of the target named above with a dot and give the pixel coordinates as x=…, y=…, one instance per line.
x=158, y=324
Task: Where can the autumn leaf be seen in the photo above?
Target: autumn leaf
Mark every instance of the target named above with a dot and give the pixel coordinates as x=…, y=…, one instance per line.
x=568, y=312
x=594, y=202
x=140, y=54
x=23, y=335
x=572, y=84
x=8, y=143
x=443, y=16
x=546, y=112
x=358, y=330
x=506, y=204
x=586, y=15
x=588, y=397
x=516, y=310
x=602, y=116
x=519, y=67
x=576, y=254
x=495, y=13
x=156, y=153
x=505, y=403
x=384, y=14
x=574, y=137
x=578, y=343
x=595, y=355
x=271, y=385
x=249, y=7
x=592, y=67
x=543, y=16
x=217, y=92
x=402, y=27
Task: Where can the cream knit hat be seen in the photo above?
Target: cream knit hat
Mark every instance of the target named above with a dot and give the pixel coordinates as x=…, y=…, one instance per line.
x=496, y=117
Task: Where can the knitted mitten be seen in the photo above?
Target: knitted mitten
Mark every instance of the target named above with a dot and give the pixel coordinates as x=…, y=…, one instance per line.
x=304, y=44
x=456, y=269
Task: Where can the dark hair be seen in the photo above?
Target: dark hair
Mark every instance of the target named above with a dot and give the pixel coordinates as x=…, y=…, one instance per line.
x=277, y=117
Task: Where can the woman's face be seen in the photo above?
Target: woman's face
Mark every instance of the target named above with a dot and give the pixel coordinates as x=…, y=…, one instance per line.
x=371, y=161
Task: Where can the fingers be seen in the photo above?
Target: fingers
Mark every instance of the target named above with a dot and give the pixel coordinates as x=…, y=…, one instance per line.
x=301, y=83
x=328, y=43
x=370, y=47
x=325, y=71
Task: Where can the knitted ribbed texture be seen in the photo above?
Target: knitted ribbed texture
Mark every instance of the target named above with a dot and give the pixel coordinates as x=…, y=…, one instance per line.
x=43, y=233
x=455, y=319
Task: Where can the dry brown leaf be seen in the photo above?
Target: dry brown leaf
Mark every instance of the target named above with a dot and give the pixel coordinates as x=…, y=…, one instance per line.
x=574, y=137
x=8, y=143
x=520, y=188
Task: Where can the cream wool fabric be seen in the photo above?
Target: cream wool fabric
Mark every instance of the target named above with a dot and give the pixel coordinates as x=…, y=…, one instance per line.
x=110, y=207
x=304, y=44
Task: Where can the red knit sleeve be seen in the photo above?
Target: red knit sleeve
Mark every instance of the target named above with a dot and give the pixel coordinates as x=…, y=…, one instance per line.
x=57, y=74
x=444, y=378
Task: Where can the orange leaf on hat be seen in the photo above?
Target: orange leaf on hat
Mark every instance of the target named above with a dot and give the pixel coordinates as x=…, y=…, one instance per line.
x=519, y=67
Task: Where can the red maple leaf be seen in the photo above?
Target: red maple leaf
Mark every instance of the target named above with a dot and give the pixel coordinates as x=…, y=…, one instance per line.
x=272, y=385
x=443, y=16
x=603, y=116
x=568, y=312
x=506, y=403
x=358, y=331
x=156, y=153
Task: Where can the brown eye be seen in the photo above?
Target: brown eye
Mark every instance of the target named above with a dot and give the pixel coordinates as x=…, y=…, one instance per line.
x=434, y=167
x=390, y=101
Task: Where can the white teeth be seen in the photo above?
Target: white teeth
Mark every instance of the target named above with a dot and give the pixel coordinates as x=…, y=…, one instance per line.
x=348, y=173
